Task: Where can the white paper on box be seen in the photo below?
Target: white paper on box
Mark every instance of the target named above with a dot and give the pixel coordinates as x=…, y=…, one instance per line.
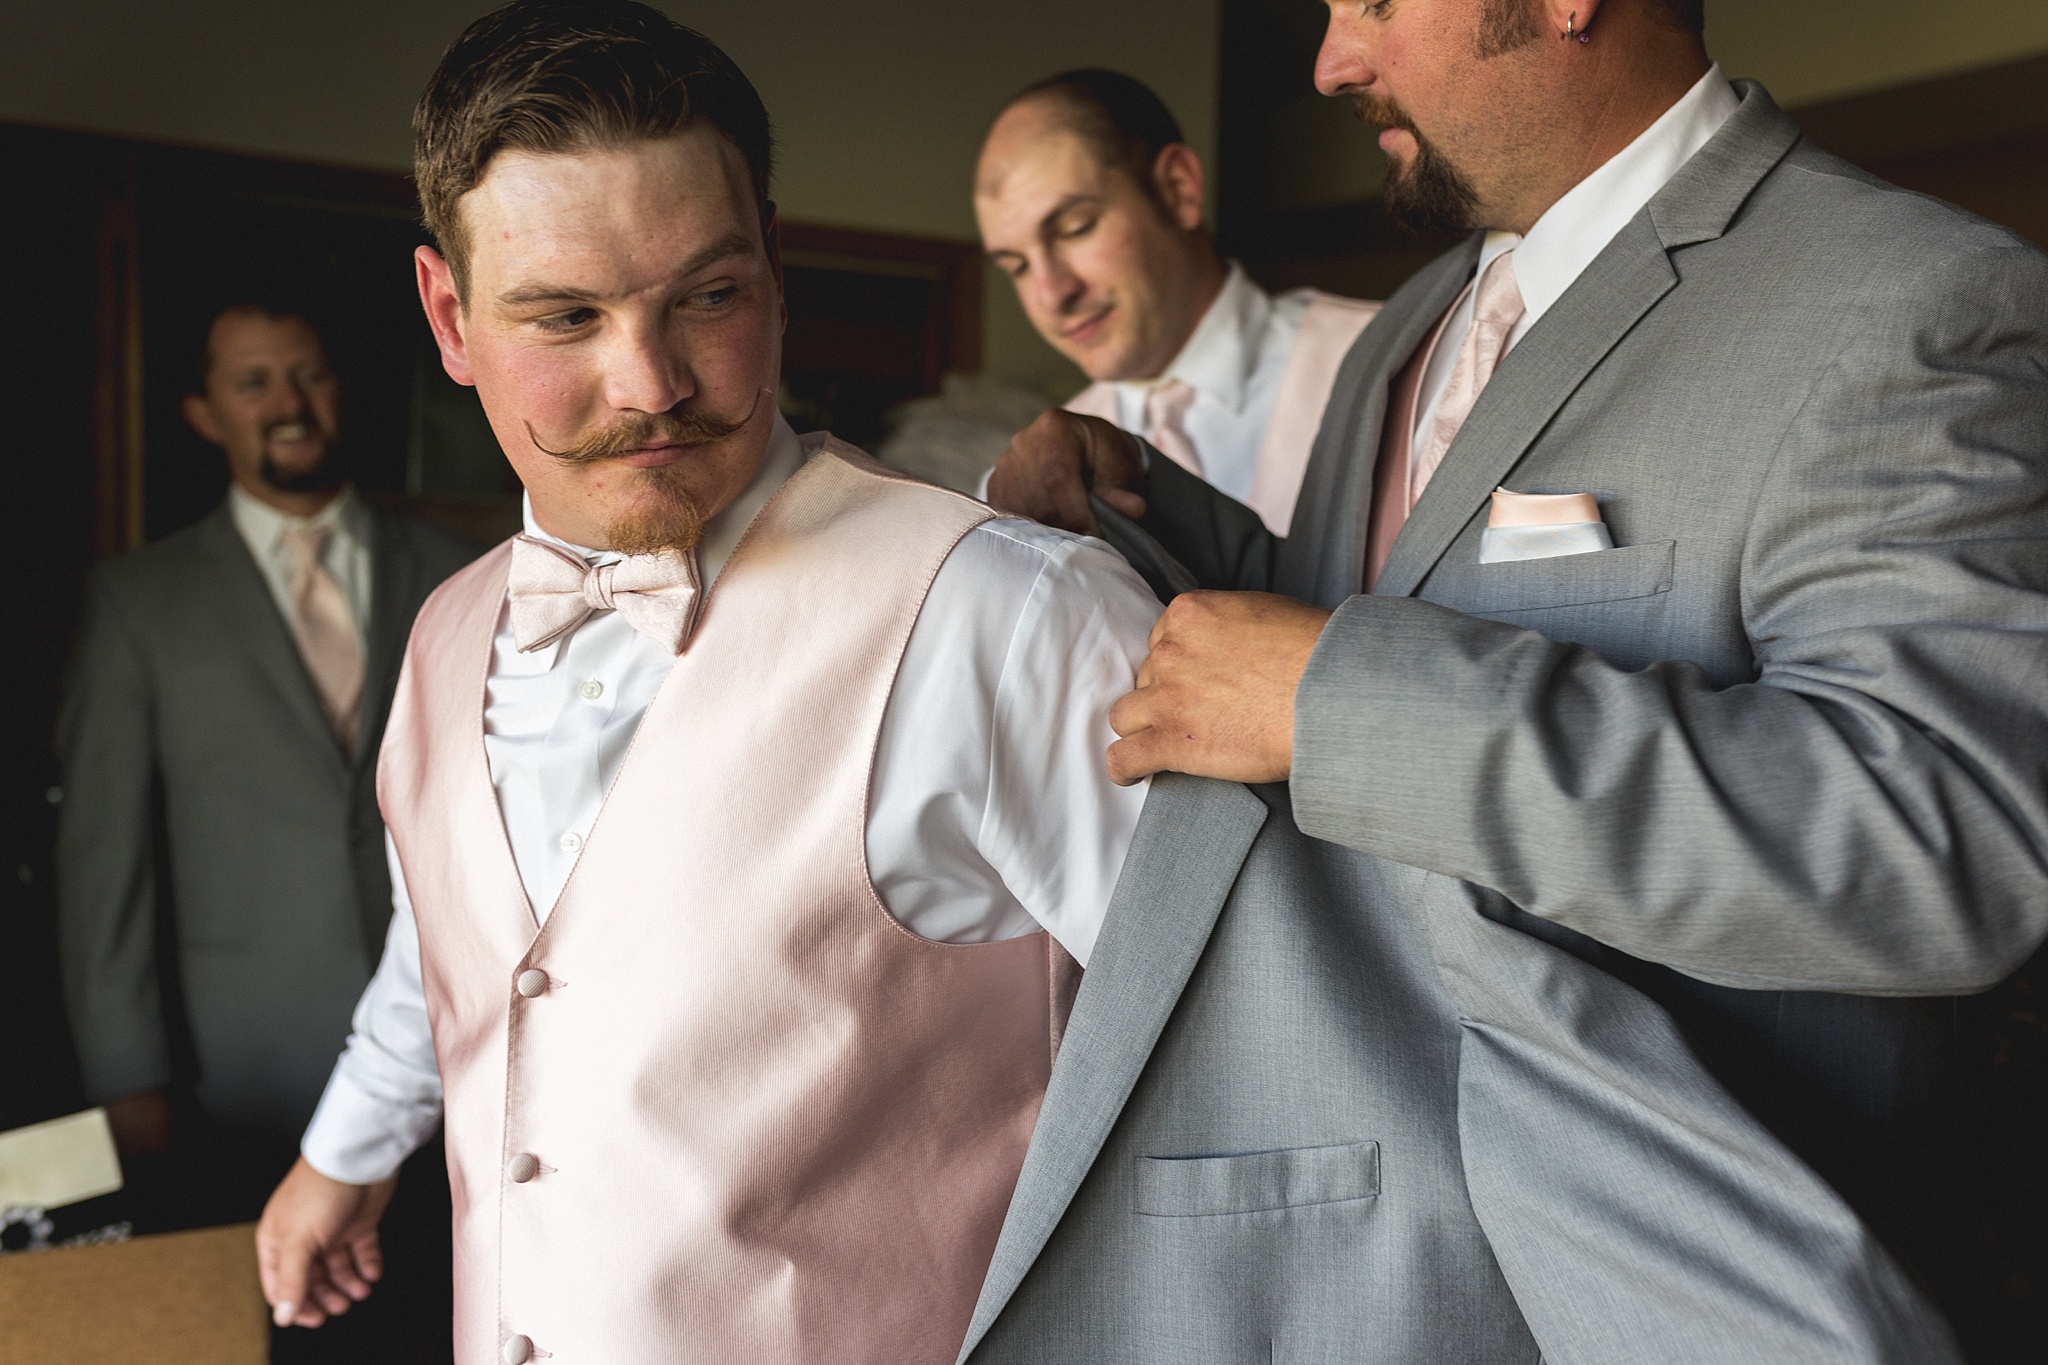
x=48, y=1165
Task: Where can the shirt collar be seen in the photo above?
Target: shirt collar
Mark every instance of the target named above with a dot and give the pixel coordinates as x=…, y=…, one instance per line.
x=1579, y=226
x=1218, y=359
x=785, y=455
x=263, y=526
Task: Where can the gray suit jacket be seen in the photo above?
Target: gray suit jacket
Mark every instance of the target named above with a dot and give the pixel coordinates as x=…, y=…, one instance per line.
x=1318, y=1106
x=1788, y=735
x=213, y=840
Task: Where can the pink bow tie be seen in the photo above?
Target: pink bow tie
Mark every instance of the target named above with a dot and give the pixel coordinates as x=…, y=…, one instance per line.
x=553, y=591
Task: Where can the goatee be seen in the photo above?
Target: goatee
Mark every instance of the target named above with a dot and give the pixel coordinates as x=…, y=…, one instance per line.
x=1429, y=194
x=665, y=517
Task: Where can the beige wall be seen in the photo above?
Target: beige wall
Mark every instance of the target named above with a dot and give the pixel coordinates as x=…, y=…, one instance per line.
x=879, y=103
x=1812, y=50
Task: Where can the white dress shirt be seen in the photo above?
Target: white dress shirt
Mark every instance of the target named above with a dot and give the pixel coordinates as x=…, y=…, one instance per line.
x=990, y=811
x=347, y=555
x=1578, y=227
x=1234, y=362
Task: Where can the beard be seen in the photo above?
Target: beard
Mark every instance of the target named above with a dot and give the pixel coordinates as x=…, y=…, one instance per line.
x=323, y=474
x=665, y=516
x=1429, y=194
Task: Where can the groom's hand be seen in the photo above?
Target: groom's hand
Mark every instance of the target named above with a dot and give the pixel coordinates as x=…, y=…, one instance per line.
x=1216, y=696
x=316, y=1247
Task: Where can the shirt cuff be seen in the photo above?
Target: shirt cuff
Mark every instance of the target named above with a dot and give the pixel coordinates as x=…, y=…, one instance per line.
x=364, y=1129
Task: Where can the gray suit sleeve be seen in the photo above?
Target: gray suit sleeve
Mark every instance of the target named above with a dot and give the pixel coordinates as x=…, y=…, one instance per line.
x=1869, y=814
x=106, y=884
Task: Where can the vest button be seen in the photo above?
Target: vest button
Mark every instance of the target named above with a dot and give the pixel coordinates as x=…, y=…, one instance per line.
x=532, y=982
x=518, y=1350
x=522, y=1168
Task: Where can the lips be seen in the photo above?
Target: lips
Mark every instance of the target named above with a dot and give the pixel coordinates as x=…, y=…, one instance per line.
x=653, y=457
x=1088, y=329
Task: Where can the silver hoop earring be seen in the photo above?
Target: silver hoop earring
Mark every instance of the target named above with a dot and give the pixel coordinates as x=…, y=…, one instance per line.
x=1570, y=25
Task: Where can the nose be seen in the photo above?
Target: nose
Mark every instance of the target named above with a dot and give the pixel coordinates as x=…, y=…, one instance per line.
x=646, y=370
x=1058, y=289
x=1342, y=62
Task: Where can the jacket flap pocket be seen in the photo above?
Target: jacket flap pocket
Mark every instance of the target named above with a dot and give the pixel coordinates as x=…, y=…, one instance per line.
x=1195, y=1186
x=1560, y=581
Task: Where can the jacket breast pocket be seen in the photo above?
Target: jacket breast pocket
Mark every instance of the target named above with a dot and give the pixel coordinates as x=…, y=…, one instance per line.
x=1563, y=581
x=1252, y=1182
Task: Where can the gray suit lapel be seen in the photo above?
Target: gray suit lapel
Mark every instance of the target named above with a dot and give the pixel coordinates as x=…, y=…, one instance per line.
x=1543, y=371
x=1532, y=383
x=1323, y=558
x=1190, y=843
x=260, y=631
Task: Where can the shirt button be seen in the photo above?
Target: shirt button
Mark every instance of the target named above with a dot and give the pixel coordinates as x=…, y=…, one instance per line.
x=592, y=689
x=532, y=982
x=522, y=1168
x=571, y=841
x=518, y=1350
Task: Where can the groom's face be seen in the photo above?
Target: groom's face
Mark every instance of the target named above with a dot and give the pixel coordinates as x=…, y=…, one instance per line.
x=623, y=327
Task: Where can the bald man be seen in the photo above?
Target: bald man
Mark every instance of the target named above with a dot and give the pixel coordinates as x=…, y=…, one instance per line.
x=1091, y=201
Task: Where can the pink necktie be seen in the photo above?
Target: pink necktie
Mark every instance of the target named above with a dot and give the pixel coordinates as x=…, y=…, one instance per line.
x=553, y=591
x=1496, y=311
x=324, y=627
x=1165, y=407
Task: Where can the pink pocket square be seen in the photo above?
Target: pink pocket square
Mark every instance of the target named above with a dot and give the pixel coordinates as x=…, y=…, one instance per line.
x=1542, y=526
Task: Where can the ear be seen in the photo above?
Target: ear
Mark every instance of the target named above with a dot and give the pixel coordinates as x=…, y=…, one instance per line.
x=443, y=305
x=199, y=416
x=1575, y=15
x=1177, y=176
x=771, y=239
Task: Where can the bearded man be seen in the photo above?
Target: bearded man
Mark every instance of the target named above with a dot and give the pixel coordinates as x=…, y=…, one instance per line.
x=747, y=814
x=1670, y=583
x=221, y=883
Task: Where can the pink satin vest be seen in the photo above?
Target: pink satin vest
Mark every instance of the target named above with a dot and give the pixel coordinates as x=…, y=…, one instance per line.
x=722, y=1107
x=1328, y=327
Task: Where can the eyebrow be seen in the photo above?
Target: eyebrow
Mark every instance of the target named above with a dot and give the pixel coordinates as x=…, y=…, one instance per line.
x=1050, y=216
x=525, y=295
x=1068, y=204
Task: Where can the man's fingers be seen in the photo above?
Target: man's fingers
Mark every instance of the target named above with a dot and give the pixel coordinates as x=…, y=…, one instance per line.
x=1123, y=500
x=1067, y=491
x=1135, y=711
x=369, y=1257
x=284, y=1271
x=341, y=1273
x=1134, y=758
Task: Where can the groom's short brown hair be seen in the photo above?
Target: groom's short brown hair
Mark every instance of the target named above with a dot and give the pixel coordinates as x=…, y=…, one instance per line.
x=559, y=76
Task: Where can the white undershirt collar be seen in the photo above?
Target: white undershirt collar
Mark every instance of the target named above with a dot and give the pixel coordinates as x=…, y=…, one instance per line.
x=1220, y=354
x=1579, y=226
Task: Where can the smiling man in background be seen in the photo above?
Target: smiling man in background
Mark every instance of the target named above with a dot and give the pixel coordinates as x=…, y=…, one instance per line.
x=218, y=743
x=1091, y=201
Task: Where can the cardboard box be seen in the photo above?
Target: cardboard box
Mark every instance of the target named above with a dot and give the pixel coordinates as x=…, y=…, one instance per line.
x=185, y=1298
